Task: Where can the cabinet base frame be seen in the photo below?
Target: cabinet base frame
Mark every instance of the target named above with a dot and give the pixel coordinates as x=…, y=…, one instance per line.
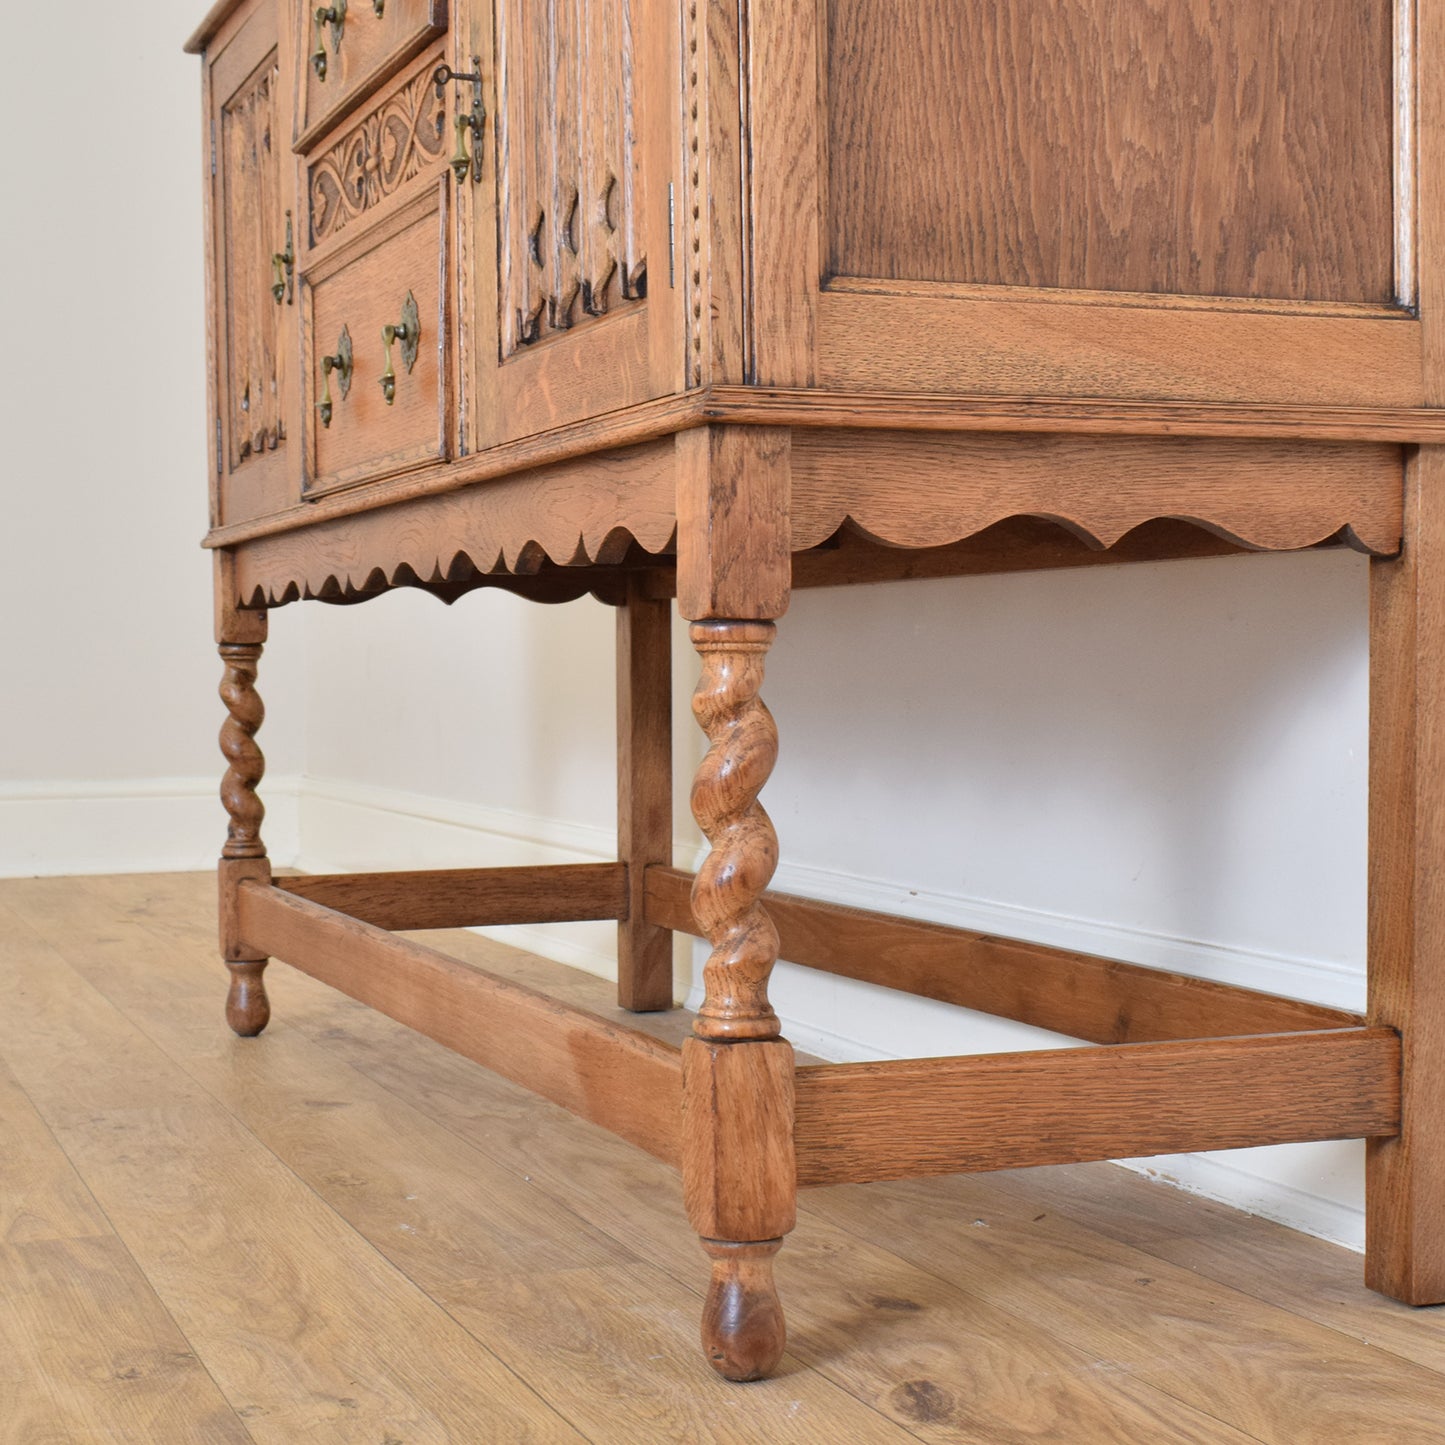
x=854, y=1122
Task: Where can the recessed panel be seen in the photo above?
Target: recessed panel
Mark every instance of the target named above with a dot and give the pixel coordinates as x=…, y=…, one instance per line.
x=1238, y=148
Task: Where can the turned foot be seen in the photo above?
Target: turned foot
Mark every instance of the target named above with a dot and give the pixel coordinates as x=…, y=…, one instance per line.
x=248, y=1010
x=742, y=1321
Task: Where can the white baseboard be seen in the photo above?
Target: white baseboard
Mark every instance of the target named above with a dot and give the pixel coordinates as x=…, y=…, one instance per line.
x=1315, y=1188
x=348, y=827
x=146, y=825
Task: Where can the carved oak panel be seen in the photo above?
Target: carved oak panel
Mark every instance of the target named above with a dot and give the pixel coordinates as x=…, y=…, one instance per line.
x=397, y=139
x=252, y=229
x=569, y=178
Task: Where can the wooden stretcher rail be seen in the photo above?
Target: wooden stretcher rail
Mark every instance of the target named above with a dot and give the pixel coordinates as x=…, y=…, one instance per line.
x=1075, y=994
x=905, y=1119
x=471, y=897
x=625, y=1081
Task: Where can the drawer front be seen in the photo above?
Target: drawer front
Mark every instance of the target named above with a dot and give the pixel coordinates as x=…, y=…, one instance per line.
x=340, y=64
x=391, y=274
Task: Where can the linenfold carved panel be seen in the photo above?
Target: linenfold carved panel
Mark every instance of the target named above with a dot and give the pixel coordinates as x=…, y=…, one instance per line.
x=252, y=225
x=569, y=176
x=403, y=135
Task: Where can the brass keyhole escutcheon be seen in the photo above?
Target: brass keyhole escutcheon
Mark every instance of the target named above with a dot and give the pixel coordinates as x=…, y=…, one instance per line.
x=333, y=15
x=408, y=332
x=342, y=365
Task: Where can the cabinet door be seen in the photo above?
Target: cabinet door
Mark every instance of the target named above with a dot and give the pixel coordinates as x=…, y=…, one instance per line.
x=1200, y=200
x=572, y=312
x=252, y=221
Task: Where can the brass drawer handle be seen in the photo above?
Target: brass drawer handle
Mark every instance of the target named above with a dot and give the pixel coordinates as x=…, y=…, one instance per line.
x=283, y=269
x=408, y=332
x=379, y=6
x=333, y=15
x=341, y=364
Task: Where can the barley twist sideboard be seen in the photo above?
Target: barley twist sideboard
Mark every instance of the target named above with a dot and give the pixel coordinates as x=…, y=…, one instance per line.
x=713, y=299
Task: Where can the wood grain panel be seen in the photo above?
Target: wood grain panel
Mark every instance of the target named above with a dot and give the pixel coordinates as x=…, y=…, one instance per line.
x=1023, y=344
x=403, y=134
x=252, y=337
x=904, y=1118
x=1205, y=147
x=252, y=229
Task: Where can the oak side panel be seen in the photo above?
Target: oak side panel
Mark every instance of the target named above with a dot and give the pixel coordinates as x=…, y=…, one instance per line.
x=250, y=191
x=941, y=338
x=1201, y=148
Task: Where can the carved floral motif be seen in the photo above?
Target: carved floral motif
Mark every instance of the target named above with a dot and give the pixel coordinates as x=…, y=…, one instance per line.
x=396, y=142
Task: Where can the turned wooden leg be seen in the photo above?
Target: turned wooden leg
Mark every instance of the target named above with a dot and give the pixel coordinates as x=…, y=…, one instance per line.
x=240, y=636
x=644, y=791
x=739, y=1171
x=1405, y=1174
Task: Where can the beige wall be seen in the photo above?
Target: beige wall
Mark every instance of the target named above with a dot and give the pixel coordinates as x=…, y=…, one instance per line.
x=108, y=709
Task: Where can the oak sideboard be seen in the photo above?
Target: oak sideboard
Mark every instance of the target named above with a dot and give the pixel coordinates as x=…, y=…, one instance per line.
x=695, y=302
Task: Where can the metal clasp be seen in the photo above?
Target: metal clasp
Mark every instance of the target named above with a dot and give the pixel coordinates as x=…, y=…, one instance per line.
x=283, y=269
x=475, y=121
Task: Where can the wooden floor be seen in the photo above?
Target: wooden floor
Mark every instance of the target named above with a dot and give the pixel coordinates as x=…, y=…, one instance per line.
x=341, y=1232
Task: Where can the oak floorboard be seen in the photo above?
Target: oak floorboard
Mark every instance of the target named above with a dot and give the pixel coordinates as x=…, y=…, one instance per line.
x=476, y=1235
x=87, y=1351
x=279, y=1298
x=953, y=1369
x=1257, y=1257
x=958, y=1379
x=1271, y=1373
x=41, y=1195
x=260, y=1190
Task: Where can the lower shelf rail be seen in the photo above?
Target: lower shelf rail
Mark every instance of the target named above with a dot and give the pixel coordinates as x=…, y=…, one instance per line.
x=854, y=1122
x=905, y=1118
x=626, y=1081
